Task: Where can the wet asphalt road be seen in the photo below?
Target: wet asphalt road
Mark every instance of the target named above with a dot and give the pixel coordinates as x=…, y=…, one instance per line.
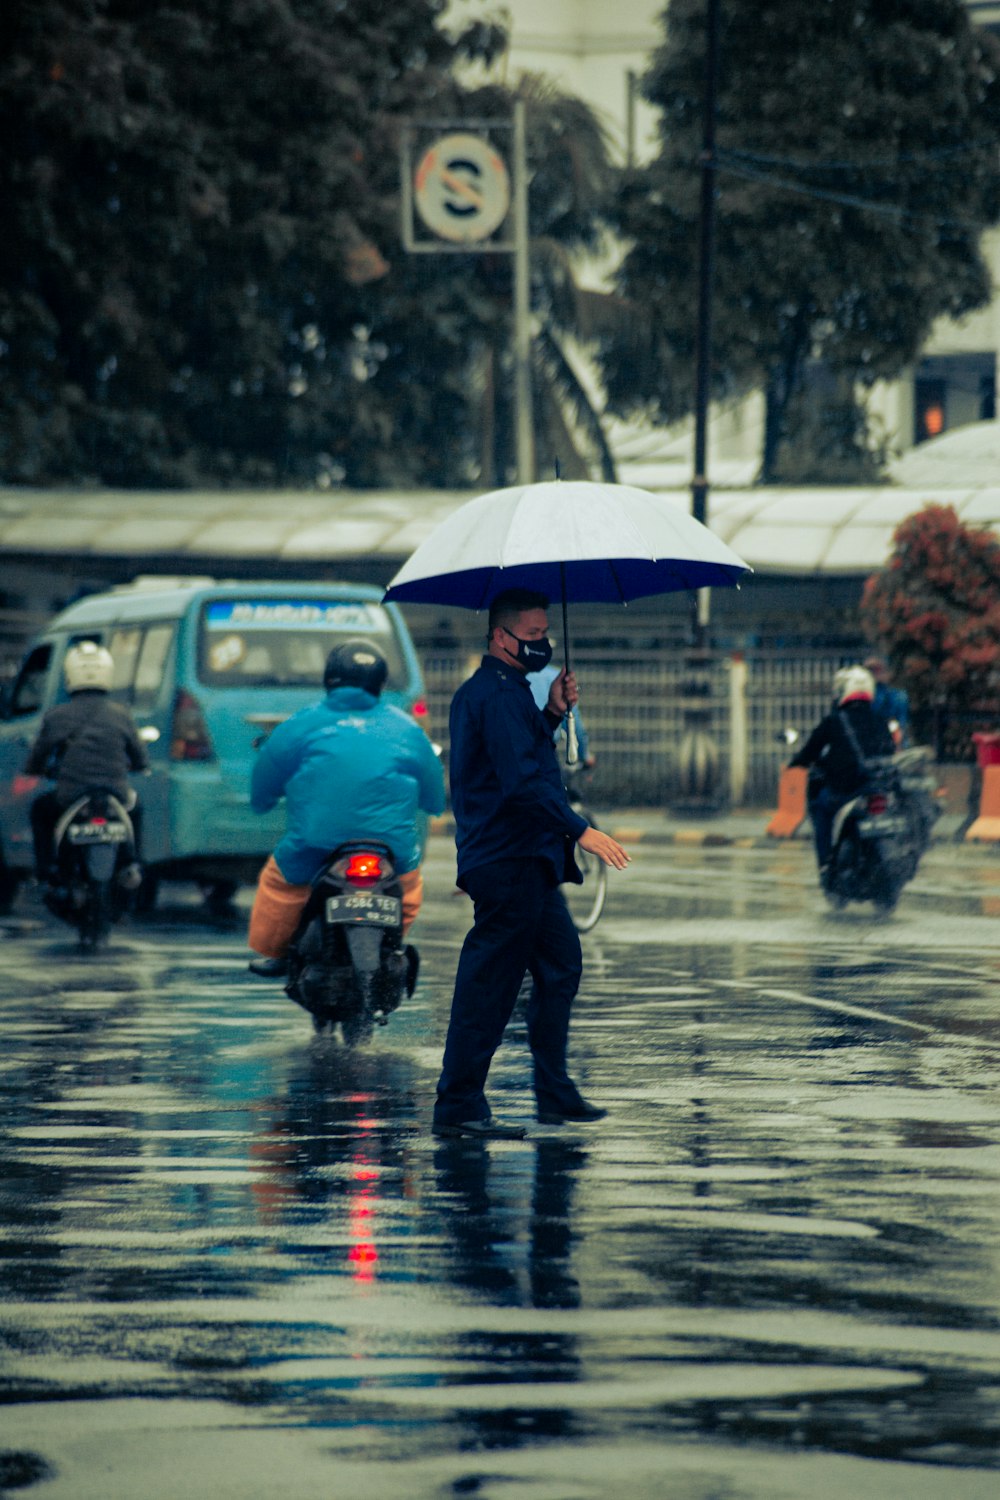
x=234, y=1263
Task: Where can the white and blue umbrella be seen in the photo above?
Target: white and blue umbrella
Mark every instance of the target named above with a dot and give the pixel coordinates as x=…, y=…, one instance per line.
x=572, y=540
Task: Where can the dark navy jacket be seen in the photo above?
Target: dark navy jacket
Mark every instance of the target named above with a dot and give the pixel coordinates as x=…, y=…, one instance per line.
x=506, y=791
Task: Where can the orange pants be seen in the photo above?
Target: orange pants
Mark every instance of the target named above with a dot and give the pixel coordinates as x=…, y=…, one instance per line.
x=277, y=907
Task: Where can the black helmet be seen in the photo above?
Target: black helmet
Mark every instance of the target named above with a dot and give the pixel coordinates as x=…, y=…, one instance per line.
x=356, y=663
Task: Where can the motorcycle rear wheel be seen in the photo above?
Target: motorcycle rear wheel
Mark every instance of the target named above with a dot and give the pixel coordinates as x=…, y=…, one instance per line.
x=95, y=916
x=886, y=900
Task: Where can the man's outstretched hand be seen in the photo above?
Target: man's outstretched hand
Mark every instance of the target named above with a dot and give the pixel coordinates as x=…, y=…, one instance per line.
x=605, y=847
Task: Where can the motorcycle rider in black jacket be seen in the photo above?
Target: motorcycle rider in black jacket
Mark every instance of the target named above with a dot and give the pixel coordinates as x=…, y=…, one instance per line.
x=89, y=743
x=836, y=751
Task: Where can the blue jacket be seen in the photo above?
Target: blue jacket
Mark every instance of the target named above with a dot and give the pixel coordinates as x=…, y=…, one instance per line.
x=349, y=767
x=892, y=703
x=506, y=791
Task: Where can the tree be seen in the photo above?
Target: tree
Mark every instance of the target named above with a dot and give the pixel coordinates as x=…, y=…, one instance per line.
x=199, y=199
x=855, y=170
x=934, y=610
x=202, y=278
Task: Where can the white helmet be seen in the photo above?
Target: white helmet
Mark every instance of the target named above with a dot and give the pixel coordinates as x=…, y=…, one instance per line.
x=88, y=665
x=857, y=682
x=839, y=678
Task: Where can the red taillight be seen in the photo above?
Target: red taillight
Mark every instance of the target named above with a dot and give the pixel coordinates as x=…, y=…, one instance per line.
x=364, y=869
x=878, y=802
x=96, y=821
x=419, y=708
x=189, y=737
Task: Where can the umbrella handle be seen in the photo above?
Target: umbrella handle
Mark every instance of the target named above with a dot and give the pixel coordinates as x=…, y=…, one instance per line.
x=572, y=743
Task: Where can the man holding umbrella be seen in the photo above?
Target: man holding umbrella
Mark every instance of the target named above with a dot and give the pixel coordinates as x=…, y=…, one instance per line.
x=515, y=832
x=581, y=543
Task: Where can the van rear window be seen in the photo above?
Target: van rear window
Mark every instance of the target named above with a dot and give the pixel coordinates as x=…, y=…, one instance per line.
x=285, y=642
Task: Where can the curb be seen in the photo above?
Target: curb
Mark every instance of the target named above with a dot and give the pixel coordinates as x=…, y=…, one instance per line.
x=711, y=838
x=698, y=838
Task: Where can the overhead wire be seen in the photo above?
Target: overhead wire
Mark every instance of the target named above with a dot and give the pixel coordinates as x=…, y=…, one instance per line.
x=938, y=153
x=849, y=200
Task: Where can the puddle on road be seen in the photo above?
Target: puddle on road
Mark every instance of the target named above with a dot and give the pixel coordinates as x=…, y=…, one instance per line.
x=783, y=1238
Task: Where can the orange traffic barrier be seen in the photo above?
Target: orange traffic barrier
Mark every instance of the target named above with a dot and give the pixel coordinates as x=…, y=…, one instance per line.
x=987, y=825
x=791, y=812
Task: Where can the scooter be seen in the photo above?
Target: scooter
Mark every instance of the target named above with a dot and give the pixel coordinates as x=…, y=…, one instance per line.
x=880, y=835
x=347, y=963
x=97, y=874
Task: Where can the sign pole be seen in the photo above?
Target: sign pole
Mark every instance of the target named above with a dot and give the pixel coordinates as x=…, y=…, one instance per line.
x=461, y=191
x=522, y=305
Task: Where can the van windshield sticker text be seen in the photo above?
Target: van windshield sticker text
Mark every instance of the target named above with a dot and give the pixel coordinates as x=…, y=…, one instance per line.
x=295, y=614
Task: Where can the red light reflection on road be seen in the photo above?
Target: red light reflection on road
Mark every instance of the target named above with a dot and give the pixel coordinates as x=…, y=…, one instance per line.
x=362, y=1254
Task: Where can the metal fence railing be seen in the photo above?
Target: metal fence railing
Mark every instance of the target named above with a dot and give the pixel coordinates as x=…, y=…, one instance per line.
x=633, y=710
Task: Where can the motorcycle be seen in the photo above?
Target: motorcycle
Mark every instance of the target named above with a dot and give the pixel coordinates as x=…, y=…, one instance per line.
x=97, y=874
x=347, y=963
x=880, y=835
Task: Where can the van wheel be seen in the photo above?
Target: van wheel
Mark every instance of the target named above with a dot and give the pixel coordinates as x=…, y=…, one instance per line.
x=219, y=897
x=146, y=895
x=10, y=884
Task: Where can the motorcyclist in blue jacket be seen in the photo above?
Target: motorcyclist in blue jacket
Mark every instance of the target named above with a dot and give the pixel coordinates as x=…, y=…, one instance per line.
x=349, y=767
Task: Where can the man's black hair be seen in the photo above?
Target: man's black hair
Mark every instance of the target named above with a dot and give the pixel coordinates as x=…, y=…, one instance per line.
x=513, y=602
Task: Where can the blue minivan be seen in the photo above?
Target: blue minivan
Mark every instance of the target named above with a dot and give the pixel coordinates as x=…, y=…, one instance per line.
x=208, y=669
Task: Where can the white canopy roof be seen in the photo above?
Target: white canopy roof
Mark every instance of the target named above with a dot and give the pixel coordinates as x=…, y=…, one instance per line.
x=965, y=457
x=782, y=531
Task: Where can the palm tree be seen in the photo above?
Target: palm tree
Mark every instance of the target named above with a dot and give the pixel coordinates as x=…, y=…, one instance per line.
x=573, y=180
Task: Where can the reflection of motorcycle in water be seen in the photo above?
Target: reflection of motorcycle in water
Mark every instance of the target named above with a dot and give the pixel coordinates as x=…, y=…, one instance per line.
x=347, y=963
x=94, y=844
x=880, y=835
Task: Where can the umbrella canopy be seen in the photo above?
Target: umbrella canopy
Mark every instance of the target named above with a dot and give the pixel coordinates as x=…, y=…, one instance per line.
x=568, y=539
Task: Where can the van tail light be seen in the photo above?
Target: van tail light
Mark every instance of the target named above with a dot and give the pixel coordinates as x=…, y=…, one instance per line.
x=189, y=737
x=878, y=802
x=363, y=868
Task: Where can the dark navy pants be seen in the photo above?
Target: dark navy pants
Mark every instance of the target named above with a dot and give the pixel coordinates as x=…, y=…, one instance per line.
x=521, y=926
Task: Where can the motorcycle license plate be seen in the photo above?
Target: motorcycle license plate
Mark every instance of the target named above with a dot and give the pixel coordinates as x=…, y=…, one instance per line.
x=365, y=906
x=97, y=833
x=880, y=828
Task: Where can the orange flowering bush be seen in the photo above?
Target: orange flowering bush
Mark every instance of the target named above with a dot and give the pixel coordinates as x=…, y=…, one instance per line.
x=934, y=611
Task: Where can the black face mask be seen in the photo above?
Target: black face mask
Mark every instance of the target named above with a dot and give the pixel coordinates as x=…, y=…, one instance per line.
x=532, y=655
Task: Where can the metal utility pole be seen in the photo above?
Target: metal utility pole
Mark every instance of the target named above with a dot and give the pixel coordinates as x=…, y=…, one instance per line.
x=698, y=756
x=522, y=305
x=706, y=267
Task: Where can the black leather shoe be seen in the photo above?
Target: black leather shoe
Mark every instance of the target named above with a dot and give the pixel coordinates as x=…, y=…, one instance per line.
x=487, y=1130
x=579, y=1114
x=269, y=968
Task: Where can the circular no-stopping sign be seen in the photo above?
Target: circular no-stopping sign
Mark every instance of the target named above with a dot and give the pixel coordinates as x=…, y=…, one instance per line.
x=461, y=188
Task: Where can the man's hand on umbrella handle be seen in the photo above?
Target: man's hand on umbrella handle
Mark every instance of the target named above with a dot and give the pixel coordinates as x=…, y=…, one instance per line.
x=605, y=847
x=563, y=693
